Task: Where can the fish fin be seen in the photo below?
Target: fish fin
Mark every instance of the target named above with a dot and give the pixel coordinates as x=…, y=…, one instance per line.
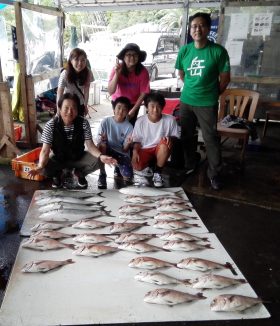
x=229, y=266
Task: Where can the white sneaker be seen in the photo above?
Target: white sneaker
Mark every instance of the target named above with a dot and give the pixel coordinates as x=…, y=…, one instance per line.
x=140, y=181
x=157, y=179
x=147, y=172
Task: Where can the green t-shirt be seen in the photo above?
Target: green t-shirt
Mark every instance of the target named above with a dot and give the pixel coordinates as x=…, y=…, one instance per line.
x=202, y=68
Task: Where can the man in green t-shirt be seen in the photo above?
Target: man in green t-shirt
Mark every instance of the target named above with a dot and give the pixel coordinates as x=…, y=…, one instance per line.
x=205, y=70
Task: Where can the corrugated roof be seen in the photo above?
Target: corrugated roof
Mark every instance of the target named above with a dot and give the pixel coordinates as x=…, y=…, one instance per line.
x=106, y=5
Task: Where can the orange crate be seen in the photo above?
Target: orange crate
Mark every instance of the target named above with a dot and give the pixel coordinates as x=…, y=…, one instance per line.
x=24, y=163
x=17, y=132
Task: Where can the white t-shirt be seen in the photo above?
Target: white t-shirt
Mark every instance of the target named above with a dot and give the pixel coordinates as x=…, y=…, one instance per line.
x=149, y=133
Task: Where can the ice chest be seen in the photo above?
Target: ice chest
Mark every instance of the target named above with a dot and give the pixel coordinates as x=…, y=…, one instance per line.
x=24, y=163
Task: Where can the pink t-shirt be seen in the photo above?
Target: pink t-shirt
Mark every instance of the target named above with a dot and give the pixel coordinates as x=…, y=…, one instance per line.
x=132, y=86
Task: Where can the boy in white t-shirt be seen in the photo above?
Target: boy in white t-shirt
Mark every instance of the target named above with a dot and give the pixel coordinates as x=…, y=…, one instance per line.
x=114, y=137
x=152, y=138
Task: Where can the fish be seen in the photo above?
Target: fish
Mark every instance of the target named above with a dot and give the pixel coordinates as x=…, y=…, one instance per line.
x=51, y=234
x=43, y=266
x=48, y=226
x=203, y=265
x=67, y=193
x=138, y=199
x=212, y=281
x=91, y=238
x=173, y=225
x=149, y=263
x=173, y=208
x=62, y=205
x=64, y=199
x=180, y=236
x=90, y=224
x=134, y=208
x=185, y=246
x=170, y=297
x=133, y=237
x=139, y=247
x=233, y=302
x=172, y=200
x=145, y=191
x=67, y=215
x=172, y=216
x=125, y=227
x=93, y=250
x=129, y=216
x=158, y=278
x=45, y=244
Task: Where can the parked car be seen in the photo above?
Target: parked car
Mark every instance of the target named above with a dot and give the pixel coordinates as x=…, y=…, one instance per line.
x=162, y=50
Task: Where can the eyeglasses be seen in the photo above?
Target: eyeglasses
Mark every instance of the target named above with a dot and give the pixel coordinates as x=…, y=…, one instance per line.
x=135, y=55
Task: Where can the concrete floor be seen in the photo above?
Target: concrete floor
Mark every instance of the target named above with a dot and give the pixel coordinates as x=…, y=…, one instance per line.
x=245, y=215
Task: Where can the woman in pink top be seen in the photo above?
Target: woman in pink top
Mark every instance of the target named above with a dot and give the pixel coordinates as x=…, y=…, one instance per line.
x=130, y=78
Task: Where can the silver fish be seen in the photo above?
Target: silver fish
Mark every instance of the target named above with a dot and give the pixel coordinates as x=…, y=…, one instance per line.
x=133, y=237
x=172, y=216
x=180, y=236
x=158, y=278
x=94, y=250
x=149, y=263
x=48, y=226
x=139, y=247
x=69, y=215
x=172, y=200
x=51, y=234
x=173, y=225
x=233, y=302
x=61, y=205
x=45, y=244
x=130, y=208
x=64, y=199
x=129, y=216
x=170, y=297
x=173, y=208
x=203, y=265
x=67, y=193
x=91, y=238
x=90, y=224
x=145, y=191
x=43, y=266
x=185, y=246
x=212, y=281
x=138, y=200
x=125, y=227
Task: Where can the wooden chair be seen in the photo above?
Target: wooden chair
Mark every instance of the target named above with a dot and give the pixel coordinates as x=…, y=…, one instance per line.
x=273, y=113
x=240, y=103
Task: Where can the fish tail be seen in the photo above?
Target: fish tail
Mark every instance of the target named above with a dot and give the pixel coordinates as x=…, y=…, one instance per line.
x=70, y=261
x=100, y=194
x=200, y=295
x=229, y=266
x=196, y=225
x=209, y=246
x=70, y=246
x=186, y=282
x=205, y=239
x=241, y=280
